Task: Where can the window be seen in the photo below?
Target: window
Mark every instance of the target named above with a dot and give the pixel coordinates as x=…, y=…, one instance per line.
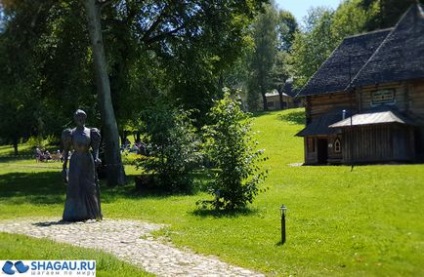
x=337, y=146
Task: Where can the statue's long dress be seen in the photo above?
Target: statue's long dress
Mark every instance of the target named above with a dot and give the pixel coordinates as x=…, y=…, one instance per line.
x=82, y=195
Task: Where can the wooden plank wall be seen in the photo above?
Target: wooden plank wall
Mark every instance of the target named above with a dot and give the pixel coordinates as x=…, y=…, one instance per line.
x=321, y=104
x=409, y=97
x=364, y=96
x=416, y=99
x=404, y=143
x=378, y=143
x=375, y=144
x=311, y=157
x=416, y=111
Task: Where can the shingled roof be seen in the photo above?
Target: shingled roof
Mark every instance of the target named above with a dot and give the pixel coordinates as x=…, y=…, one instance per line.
x=289, y=89
x=400, y=56
x=320, y=126
x=337, y=71
x=383, y=56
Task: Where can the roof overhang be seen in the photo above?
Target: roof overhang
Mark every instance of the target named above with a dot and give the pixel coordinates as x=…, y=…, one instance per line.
x=320, y=126
x=372, y=118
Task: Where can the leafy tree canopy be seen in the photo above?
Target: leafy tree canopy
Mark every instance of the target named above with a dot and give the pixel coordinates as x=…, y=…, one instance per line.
x=177, y=48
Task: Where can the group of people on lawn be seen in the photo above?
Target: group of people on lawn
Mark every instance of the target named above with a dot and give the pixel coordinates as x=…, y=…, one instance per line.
x=44, y=155
x=138, y=147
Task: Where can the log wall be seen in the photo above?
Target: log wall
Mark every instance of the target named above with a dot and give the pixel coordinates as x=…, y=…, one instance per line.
x=321, y=104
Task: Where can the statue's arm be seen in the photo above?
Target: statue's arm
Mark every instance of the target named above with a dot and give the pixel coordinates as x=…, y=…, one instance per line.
x=95, y=144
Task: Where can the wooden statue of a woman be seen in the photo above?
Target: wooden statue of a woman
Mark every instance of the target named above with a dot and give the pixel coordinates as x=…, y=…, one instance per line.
x=82, y=195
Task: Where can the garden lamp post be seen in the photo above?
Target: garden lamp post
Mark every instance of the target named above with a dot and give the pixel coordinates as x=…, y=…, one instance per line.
x=283, y=210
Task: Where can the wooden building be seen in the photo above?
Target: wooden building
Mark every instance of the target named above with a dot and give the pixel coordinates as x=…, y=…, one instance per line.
x=286, y=100
x=365, y=104
x=275, y=101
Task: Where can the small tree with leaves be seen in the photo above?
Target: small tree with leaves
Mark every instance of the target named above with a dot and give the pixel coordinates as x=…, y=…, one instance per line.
x=231, y=149
x=173, y=147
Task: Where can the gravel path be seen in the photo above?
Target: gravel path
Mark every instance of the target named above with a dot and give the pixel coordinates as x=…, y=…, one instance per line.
x=130, y=241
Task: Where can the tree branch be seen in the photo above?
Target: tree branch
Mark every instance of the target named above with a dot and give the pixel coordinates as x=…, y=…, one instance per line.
x=155, y=24
x=163, y=35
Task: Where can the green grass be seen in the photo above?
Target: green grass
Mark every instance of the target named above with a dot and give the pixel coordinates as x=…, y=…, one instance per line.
x=340, y=222
x=15, y=247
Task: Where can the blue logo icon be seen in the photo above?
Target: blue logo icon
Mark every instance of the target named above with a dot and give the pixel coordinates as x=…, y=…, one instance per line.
x=19, y=266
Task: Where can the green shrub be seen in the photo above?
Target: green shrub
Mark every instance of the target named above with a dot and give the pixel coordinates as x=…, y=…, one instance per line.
x=230, y=147
x=129, y=158
x=172, y=147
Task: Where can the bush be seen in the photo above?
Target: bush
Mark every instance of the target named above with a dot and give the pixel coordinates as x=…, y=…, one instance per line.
x=128, y=157
x=172, y=146
x=231, y=149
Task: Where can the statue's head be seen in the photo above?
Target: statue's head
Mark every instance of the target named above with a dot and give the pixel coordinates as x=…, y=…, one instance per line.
x=80, y=116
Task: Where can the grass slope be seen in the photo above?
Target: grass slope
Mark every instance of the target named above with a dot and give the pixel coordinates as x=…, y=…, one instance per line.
x=340, y=222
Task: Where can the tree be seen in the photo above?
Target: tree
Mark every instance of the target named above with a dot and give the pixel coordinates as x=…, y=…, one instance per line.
x=384, y=13
x=174, y=48
x=18, y=73
x=173, y=148
x=197, y=57
x=16, y=113
x=231, y=149
x=241, y=76
x=42, y=61
x=263, y=58
x=281, y=73
x=115, y=173
x=287, y=28
x=349, y=19
x=324, y=31
x=312, y=46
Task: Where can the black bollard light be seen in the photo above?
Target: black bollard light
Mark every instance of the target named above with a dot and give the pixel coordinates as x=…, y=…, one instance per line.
x=283, y=210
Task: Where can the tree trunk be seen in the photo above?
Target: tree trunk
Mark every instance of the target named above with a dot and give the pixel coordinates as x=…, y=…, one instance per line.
x=15, y=145
x=115, y=169
x=280, y=94
x=264, y=100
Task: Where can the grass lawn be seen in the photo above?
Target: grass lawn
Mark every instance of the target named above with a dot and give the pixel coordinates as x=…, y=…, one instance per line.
x=340, y=222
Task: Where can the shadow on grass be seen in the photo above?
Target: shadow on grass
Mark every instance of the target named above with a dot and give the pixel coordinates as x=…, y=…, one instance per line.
x=12, y=158
x=131, y=191
x=224, y=213
x=111, y=194
x=279, y=243
x=149, y=188
x=47, y=188
x=295, y=117
x=34, y=188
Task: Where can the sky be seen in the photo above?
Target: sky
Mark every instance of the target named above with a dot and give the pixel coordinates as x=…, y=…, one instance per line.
x=299, y=8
